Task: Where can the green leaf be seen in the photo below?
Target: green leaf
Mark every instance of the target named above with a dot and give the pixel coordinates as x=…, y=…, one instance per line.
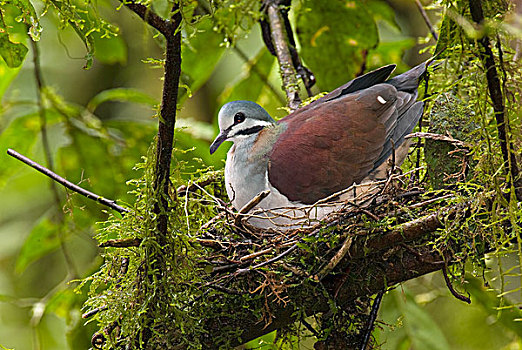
x=12, y=53
x=389, y=52
x=265, y=342
x=86, y=22
x=43, y=239
x=121, y=95
x=26, y=14
x=200, y=54
x=110, y=50
x=510, y=316
x=392, y=42
x=335, y=37
x=19, y=135
x=420, y=327
x=249, y=87
x=381, y=11
x=7, y=75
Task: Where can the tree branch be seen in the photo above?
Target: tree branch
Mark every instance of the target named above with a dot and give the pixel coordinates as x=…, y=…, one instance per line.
x=497, y=98
x=167, y=120
x=367, y=276
x=284, y=57
x=150, y=17
x=358, y=274
x=107, y=202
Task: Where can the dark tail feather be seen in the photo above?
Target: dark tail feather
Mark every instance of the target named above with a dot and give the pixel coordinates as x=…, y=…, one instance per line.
x=409, y=81
x=369, y=79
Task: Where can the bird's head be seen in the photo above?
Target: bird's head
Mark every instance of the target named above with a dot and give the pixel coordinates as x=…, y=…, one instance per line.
x=240, y=119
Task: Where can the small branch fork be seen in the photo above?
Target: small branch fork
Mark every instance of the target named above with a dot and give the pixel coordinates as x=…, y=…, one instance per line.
x=278, y=38
x=107, y=202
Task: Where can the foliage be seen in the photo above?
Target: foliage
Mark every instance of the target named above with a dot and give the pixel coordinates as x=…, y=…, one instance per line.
x=97, y=135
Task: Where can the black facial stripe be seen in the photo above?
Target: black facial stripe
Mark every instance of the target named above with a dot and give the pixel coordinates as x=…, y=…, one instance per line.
x=251, y=130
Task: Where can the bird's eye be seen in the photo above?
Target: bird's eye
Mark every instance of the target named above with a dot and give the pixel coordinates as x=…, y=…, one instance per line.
x=239, y=117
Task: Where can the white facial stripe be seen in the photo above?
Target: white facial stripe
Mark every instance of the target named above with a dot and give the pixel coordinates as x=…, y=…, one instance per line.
x=381, y=99
x=247, y=124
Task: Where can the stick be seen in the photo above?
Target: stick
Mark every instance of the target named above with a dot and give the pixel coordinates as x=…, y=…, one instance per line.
x=438, y=137
x=427, y=20
x=341, y=253
x=247, y=207
x=268, y=262
x=67, y=184
x=121, y=243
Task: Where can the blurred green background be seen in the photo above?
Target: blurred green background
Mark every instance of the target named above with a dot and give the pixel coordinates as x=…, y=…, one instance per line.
x=97, y=134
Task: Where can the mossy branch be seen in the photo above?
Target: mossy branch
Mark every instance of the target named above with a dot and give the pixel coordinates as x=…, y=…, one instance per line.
x=497, y=98
x=369, y=266
x=284, y=57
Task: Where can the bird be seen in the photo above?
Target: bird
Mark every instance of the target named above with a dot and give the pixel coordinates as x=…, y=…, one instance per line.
x=344, y=138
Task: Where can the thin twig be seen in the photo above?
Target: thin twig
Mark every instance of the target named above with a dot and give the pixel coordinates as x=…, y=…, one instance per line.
x=450, y=286
x=439, y=137
x=427, y=20
x=268, y=262
x=247, y=207
x=255, y=254
x=225, y=290
x=107, y=202
x=93, y=312
x=341, y=253
x=72, y=271
x=121, y=243
x=304, y=73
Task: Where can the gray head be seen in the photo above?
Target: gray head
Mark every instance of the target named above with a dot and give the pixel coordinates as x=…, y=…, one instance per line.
x=240, y=119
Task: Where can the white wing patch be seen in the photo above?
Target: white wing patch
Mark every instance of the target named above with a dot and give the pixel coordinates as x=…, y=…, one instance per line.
x=381, y=99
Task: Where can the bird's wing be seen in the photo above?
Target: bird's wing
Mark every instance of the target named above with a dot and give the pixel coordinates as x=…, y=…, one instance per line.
x=327, y=148
x=363, y=82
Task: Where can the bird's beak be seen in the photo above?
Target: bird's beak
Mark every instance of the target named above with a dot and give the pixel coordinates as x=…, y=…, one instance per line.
x=222, y=137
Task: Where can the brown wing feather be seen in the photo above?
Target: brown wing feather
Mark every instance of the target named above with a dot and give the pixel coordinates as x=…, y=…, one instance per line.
x=327, y=148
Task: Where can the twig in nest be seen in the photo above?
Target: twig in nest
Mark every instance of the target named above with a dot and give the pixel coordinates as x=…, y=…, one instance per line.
x=213, y=243
x=255, y=254
x=450, y=286
x=370, y=214
x=439, y=137
x=107, y=202
x=121, y=243
x=335, y=260
x=247, y=207
x=268, y=262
